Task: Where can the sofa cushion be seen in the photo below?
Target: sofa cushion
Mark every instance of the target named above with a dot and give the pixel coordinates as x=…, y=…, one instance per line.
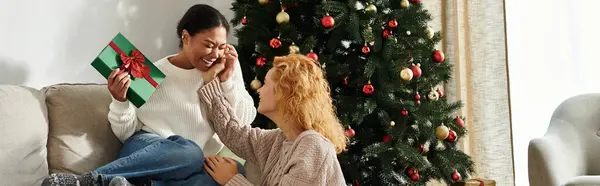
x=23, y=135
x=80, y=138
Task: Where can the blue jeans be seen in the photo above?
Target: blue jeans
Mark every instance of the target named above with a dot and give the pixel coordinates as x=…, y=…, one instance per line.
x=150, y=158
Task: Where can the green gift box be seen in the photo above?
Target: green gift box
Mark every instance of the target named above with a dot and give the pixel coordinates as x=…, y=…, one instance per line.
x=145, y=77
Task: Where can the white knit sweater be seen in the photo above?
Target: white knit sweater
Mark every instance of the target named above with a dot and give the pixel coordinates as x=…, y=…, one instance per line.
x=174, y=109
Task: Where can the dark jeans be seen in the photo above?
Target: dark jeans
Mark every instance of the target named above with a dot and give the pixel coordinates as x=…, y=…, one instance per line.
x=149, y=158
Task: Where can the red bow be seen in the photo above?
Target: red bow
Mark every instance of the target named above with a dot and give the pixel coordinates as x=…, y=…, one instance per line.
x=135, y=64
x=480, y=182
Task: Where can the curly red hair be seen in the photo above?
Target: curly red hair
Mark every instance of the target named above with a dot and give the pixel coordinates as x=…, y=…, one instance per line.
x=304, y=99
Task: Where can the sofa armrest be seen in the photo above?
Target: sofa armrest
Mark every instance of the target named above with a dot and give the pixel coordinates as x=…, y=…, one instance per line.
x=584, y=180
x=557, y=157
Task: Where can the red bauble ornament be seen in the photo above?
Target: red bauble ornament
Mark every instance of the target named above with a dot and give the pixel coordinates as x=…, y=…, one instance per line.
x=275, y=43
x=260, y=61
x=244, y=20
x=456, y=176
x=459, y=121
x=412, y=171
x=416, y=69
x=350, y=132
x=440, y=93
x=418, y=98
x=415, y=1
x=387, y=33
x=387, y=138
x=422, y=148
x=438, y=56
x=452, y=136
x=414, y=177
x=392, y=23
x=312, y=55
x=366, y=49
x=404, y=112
x=368, y=89
x=327, y=22
x=355, y=183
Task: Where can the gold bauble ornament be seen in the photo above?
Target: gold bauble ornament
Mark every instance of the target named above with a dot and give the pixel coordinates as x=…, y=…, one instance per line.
x=429, y=31
x=404, y=3
x=294, y=49
x=371, y=8
x=282, y=17
x=406, y=74
x=263, y=2
x=442, y=132
x=392, y=123
x=255, y=84
x=433, y=95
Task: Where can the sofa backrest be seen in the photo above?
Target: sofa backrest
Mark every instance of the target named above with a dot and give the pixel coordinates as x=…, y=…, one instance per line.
x=80, y=137
x=577, y=121
x=23, y=136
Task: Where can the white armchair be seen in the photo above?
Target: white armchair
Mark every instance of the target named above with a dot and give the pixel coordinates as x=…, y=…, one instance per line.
x=569, y=152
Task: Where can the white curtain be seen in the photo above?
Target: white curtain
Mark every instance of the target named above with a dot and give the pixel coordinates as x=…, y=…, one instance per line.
x=474, y=42
x=552, y=55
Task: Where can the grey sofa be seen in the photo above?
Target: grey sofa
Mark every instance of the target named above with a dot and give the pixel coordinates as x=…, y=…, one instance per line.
x=569, y=152
x=60, y=128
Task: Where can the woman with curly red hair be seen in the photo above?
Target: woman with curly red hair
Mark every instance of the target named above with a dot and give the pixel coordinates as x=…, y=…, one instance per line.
x=303, y=150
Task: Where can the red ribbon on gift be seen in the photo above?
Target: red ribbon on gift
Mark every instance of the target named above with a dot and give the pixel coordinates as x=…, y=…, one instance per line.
x=480, y=182
x=134, y=63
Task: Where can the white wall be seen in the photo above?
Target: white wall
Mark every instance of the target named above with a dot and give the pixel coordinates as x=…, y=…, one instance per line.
x=47, y=42
x=552, y=55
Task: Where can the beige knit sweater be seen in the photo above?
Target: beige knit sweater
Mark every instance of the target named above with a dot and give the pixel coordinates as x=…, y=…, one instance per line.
x=308, y=160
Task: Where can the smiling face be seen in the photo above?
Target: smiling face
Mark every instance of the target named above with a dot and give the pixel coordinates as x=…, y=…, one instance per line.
x=205, y=47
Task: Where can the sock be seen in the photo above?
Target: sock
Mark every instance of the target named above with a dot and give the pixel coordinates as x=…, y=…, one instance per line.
x=119, y=181
x=65, y=179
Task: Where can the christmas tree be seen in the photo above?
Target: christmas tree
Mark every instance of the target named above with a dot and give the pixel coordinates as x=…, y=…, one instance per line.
x=385, y=73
